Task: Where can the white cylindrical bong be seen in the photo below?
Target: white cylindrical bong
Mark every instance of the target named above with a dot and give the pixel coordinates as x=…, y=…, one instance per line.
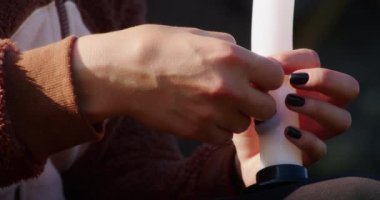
x=272, y=33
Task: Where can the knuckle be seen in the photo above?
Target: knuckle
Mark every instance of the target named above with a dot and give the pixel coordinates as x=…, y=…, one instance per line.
x=316, y=62
x=316, y=107
x=142, y=48
x=228, y=37
x=276, y=74
x=318, y=148
x=315, y=148
x=236, y=94
x=283, y=59
x=309, y=144
x=324, y=78
x=345, y=122
x=219, y=87
x=225, y=52
x=277, y=77
x=319, y=152
x=322, y=150
x=354, y=89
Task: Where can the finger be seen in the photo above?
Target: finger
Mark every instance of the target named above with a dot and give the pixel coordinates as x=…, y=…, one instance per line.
x=313, y=149
x=265, y=73
x=308, y=124
x=258, y=68
x=333, y=118
x=233, y=120
x=298, y=59
x=257, y=104
x=209, y=133
x=199, y=125
x=342, y=88
x=247, y=143
x=217, y=135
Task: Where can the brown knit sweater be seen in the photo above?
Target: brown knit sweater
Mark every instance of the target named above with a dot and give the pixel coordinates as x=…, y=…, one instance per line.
x=39, y=116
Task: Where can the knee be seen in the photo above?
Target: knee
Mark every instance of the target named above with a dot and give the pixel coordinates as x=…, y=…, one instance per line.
x=341, y=188
x=361, y=188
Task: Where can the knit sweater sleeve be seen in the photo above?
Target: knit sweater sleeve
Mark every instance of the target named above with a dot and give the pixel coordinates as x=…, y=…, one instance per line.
x=38, y=111
x=135, y=162
x=210, y=173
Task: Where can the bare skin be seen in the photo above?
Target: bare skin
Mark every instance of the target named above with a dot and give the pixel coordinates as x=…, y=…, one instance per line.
x=321, y=117
x=189, y=82
x=201, y=85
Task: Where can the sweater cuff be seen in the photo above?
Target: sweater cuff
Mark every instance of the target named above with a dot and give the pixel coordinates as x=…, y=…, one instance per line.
x=16, y=161
x=41, y=101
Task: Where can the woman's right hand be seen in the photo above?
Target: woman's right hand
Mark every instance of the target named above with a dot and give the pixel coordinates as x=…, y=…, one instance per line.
x=186, y=81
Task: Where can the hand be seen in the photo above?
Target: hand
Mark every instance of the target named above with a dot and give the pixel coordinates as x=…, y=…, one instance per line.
x=321, y=96
x=190, y=82
x=325, y=93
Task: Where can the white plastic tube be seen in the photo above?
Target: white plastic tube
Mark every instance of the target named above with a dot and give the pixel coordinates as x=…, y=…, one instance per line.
x=272, y=33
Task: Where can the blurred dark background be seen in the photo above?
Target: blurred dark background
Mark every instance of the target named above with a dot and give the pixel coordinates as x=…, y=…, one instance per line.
x=345, y=33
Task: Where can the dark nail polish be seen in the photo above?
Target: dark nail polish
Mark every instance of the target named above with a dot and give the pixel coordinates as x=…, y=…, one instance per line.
x=293, y=133
x=299, y=78
x=294, y=100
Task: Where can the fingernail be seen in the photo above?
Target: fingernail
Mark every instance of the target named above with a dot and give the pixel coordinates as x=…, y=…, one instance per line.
x=294, y=100
x=299, y=78
x=293, y=133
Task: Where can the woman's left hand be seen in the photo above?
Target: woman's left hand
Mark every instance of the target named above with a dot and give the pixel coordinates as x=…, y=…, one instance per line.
x=321, y=97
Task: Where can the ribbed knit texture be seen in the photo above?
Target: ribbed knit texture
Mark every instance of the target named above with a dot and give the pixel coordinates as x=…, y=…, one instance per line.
x=136, y=162
x=16, y=161
x=41, y=100
x=39, y=116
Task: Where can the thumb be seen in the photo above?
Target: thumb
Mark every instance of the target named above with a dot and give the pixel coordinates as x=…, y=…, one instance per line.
x=246, y=143
x=298, y=59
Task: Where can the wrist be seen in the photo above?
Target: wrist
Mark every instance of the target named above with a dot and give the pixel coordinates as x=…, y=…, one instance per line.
x=112, y=76
x=88, y=62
